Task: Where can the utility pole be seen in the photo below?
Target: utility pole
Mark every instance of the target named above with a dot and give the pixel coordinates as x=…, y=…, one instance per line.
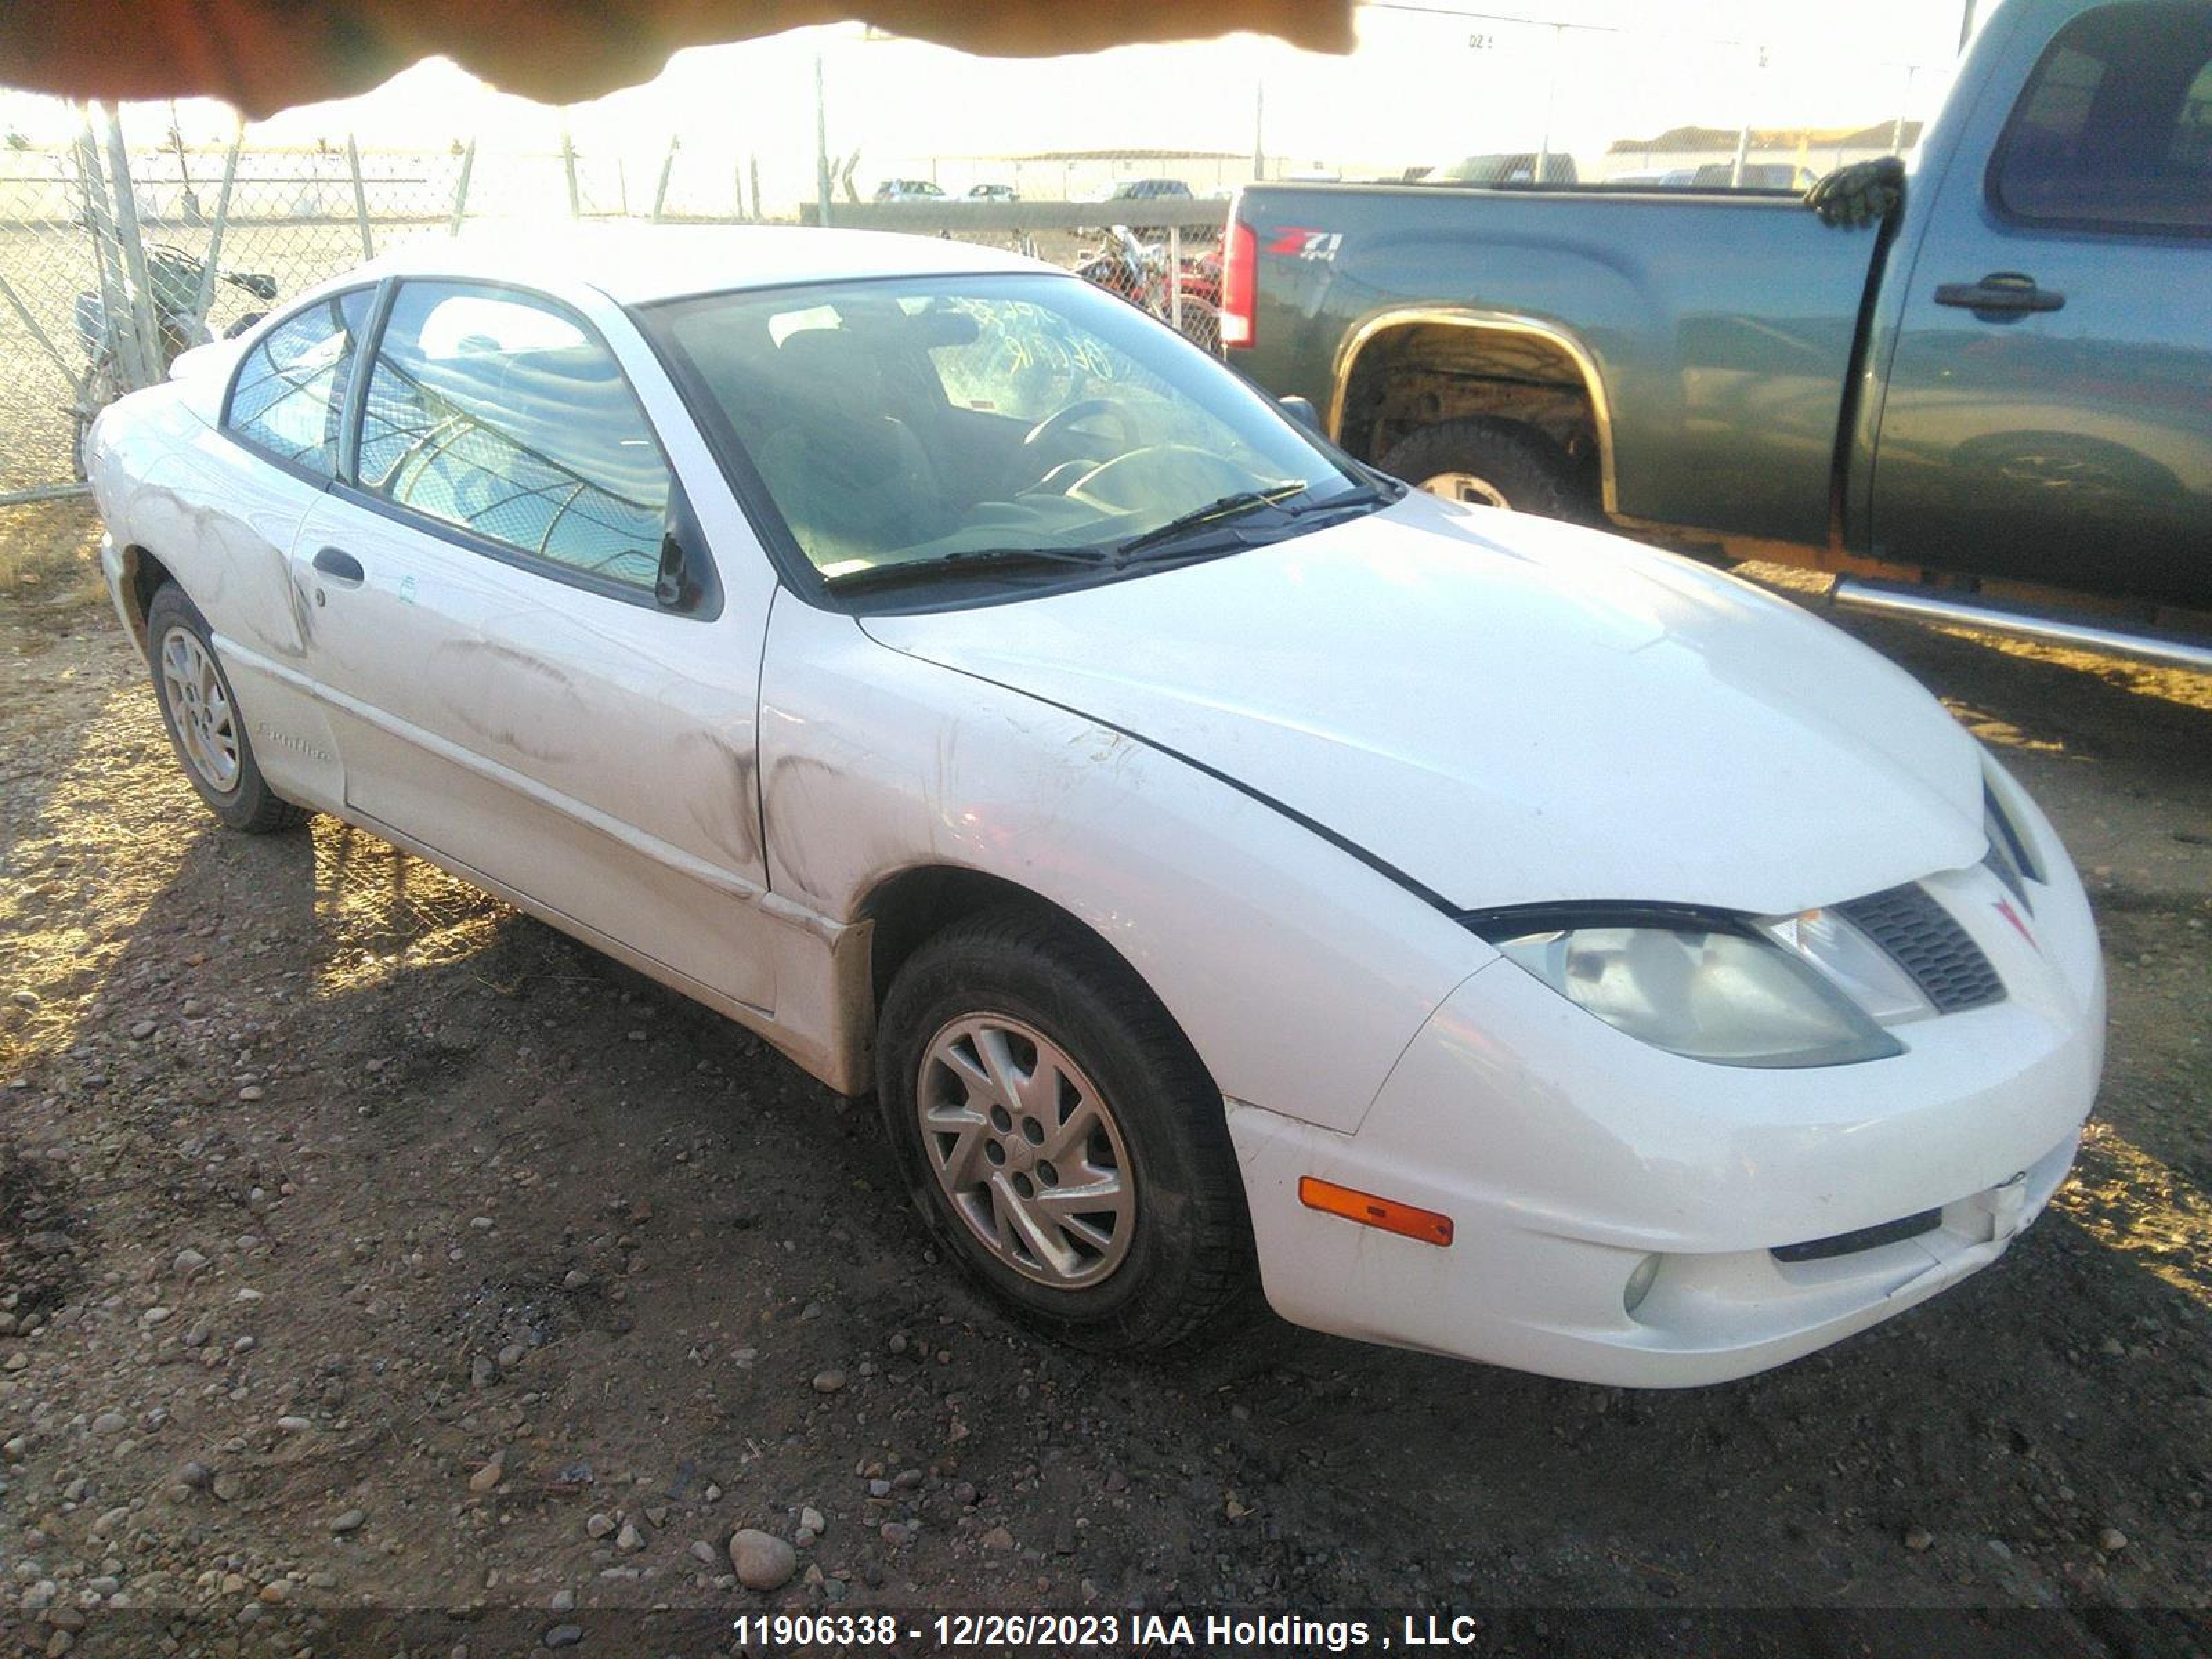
x=1259, y=131
x=1551, y=93
x=1743, y=139
x=821, y=147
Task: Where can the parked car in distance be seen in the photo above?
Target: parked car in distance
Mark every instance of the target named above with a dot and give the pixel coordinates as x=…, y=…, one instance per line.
x=1503, y=170
x=1985, y=405
x=1517, y=943
x=1151, y=190
x=909, y=190
x=993, y=193
x=1755, y=175
x=1655, y=179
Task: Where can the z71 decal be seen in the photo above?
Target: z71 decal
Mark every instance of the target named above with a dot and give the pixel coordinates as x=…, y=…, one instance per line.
x=1301, y=242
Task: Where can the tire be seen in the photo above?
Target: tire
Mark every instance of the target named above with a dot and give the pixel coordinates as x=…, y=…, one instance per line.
x=187, y=670
x=1496, y=462
x=1181, y=1250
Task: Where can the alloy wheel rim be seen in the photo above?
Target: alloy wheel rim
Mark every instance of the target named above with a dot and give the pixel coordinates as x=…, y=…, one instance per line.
x=1467, y=488
x=200, y=708
x=1027, y=1151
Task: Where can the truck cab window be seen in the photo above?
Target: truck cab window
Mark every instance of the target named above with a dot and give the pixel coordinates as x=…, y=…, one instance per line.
x=2114, y=128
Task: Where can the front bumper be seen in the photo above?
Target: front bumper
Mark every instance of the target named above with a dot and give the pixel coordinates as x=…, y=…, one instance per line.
x=1566, y=1154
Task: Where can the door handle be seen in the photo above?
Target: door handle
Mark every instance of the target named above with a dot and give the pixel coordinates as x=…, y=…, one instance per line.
x=341, y=566
x=2000, y=290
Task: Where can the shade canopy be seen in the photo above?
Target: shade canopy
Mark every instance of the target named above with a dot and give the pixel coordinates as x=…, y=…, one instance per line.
x=267, y=55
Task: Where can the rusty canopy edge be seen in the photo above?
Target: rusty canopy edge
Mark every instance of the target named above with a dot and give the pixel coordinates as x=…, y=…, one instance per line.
x=267, y=55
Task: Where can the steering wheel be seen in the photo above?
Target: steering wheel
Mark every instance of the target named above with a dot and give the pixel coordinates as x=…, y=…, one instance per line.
x=1055, y=425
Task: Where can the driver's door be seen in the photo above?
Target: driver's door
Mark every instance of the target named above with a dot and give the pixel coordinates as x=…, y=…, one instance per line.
x=506, y=689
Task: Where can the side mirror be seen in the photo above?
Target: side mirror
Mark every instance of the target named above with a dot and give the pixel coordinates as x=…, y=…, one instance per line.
x=1302, y=411
x=685, y=582
x=672, y=585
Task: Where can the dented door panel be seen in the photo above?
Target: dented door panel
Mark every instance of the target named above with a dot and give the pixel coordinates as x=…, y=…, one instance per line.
x=593, y=754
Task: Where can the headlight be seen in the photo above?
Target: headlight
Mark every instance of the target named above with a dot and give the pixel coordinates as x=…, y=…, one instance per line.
x=1712, y=994
x=1851, y=962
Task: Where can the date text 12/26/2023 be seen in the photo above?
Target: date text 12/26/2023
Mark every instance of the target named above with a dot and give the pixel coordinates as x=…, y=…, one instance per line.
x=1187, y=1632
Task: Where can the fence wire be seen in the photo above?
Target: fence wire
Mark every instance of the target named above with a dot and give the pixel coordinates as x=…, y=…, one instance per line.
x=127, y=246
x=110, y=218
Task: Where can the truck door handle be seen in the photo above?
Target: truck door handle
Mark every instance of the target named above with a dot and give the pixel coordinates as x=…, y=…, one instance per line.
x=2000, y=290
x=341, y=566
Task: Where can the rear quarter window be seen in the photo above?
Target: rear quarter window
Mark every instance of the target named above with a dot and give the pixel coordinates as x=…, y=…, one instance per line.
x=288, y=398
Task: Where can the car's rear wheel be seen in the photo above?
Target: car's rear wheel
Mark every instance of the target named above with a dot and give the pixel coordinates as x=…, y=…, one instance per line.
x=206, y=725
x=1059, y=1133
x=1484, y=461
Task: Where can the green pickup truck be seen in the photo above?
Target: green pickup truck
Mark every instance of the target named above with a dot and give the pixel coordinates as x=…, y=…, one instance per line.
x=1998, y=387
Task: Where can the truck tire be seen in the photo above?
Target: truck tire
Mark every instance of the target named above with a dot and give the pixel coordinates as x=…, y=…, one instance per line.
x=1488, y=462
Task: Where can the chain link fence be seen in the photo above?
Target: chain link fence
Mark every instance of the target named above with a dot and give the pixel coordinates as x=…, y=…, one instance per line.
x=117, y=255
x=125, y=246
x=121, y=242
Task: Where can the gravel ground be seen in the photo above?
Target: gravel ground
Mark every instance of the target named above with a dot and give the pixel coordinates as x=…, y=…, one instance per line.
x=366, y=1245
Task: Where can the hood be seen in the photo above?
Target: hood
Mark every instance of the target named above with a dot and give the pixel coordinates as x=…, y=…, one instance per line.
x=1511, y=710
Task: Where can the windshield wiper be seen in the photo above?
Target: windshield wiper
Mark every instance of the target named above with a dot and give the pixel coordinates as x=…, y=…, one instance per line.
x=1370, y=495
x=1235, y=506
x=959, y=563
x=1246, y=501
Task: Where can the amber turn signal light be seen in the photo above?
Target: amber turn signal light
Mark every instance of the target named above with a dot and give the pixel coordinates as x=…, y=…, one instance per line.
x=1369, y=1211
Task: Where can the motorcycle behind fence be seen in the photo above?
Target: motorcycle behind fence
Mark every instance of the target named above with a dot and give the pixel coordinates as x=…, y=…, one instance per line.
x=1187, y=292
x=175, y=281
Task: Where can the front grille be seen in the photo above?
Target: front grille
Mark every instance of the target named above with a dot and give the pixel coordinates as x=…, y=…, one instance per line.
x=1866, y=1238
x=1924, y=940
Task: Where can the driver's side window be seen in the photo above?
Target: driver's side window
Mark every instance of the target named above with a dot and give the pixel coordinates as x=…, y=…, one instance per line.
x=498, y=413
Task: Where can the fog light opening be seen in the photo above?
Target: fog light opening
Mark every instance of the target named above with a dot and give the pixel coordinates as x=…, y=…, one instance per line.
x=1639, y=1283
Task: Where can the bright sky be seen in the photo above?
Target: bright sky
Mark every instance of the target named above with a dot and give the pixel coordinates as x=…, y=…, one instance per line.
x=1428, y=81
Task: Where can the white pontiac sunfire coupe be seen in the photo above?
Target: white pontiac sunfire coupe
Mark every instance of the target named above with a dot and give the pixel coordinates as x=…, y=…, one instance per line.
x=1519, y=944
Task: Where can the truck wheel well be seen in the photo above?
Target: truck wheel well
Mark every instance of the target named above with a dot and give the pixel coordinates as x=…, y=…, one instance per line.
x=1420, y=373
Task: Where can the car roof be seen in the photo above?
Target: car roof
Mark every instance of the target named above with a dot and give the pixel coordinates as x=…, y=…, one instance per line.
x=635, y=265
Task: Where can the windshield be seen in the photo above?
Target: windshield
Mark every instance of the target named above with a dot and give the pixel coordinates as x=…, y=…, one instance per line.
x=952, y=423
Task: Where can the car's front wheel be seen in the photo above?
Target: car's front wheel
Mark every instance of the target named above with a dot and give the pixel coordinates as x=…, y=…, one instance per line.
x=204, y=724
x=1059, y=1133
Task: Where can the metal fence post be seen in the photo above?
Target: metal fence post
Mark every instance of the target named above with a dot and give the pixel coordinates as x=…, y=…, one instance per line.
x=204, y=298
x=667, y=164
x=360, y=199
x=1174, y=277
x=821, y=146
x=461, y=189
x=140, y=296
x=100, y=225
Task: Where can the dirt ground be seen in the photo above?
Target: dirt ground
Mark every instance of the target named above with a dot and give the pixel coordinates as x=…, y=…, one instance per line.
x=364, y=1244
